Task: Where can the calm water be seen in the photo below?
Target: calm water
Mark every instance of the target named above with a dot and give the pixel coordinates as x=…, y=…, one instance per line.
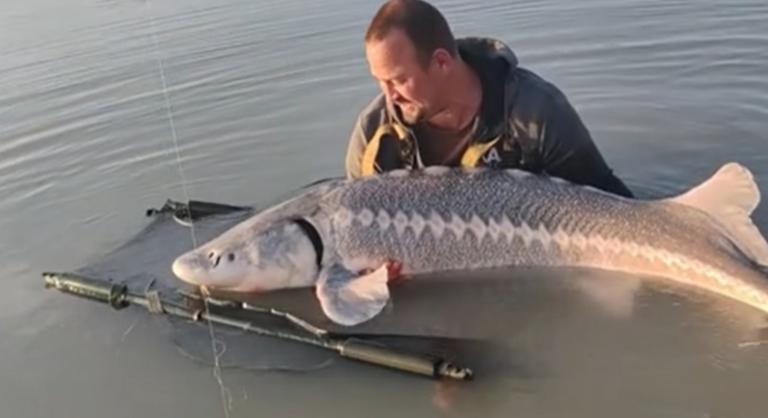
x=264, y=94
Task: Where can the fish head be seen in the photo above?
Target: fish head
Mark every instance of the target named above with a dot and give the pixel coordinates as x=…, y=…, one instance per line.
x=263, y=258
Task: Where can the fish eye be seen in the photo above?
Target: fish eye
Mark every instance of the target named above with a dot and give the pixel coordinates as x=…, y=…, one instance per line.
x=231, y=256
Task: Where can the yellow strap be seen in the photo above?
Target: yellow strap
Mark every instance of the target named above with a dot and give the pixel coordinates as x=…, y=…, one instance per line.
x=400, y=131
x=475, y=151
x=368, y=163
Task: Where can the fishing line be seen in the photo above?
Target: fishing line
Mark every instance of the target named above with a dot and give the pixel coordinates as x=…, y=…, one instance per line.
x=226, y=398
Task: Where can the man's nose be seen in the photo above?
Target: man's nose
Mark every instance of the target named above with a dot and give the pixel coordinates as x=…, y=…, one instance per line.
x=389, y=91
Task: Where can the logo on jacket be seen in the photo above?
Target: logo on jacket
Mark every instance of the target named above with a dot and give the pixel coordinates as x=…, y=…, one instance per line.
x=492, y=158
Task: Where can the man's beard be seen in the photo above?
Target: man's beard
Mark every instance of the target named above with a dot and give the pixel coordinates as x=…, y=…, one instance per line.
x=414, y=115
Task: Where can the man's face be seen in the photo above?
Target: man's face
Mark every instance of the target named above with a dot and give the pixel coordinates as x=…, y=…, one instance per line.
x=403, y=79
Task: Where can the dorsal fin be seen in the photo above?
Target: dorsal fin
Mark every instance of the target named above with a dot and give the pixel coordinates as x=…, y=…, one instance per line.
x=730, y=196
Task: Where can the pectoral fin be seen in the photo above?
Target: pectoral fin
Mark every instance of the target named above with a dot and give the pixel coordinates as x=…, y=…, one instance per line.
x=349, y=299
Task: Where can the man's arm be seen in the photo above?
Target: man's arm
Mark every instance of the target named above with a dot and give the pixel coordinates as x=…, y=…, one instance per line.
x=568, y=151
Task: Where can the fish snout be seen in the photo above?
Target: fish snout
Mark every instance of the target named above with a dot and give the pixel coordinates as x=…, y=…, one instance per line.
x=191, y=268
x=212, y=268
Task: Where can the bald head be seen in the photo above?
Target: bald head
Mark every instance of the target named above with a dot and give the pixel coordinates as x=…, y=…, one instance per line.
x=423, y=25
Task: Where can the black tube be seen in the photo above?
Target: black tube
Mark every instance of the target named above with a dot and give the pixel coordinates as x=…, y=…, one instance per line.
x=194, y=209
x=199, y=209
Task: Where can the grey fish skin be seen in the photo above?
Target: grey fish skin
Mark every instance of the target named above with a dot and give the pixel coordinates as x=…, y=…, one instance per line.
x=441, y=219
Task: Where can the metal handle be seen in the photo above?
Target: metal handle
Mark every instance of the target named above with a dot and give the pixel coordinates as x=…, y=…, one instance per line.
x=111, y=294
x=413, y=363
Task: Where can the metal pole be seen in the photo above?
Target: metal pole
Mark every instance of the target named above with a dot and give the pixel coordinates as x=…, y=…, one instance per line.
x=118, y=296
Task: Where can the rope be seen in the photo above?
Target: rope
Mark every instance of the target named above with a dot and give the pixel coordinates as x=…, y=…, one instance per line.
x=217, y=346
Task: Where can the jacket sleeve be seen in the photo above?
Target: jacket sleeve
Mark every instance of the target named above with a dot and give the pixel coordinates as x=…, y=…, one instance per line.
x=568, y=151
x=355, y=151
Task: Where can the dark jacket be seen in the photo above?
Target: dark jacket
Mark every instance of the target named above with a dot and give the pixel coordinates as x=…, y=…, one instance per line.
x=524, y=122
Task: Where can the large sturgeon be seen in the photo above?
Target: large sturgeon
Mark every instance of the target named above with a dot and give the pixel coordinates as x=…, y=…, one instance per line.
x=344, y=236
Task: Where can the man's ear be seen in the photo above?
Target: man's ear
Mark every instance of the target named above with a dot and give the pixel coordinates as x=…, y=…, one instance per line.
x=442, y=59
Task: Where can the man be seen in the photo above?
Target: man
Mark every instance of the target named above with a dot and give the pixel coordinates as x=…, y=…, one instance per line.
x=464, y=103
